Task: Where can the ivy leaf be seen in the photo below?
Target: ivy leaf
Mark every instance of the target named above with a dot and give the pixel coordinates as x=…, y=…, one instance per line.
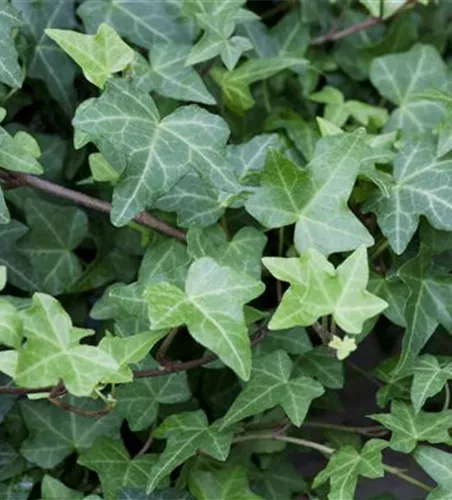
x=3, y=278
x=51, y=489
x=20, y=273
x=160, y=494
x=343, y=347
x=314, y=198
x=228, y=483
x=55, y=232
x=271, y=384
x=399, y=77
x=212, y=309
x=110, y=459
x=347, y=464
x=139, y=401
x=235, y=84
x=4, y=212
x=55, y=434
x=317, y=289
x=10, y=325
x=47, y=62
x=429, y=379
x=421, y=187
x=10, y=70
x=395, y=292
x=158, y=152
x=321, y=364
x=438, y=465
x=19, y=153
x=243, y=253
x=425, y=308
x=143, y=23
x=186, y=433
x=169, y=77
x=98, y=55
x=409, y=427
x=52, y=351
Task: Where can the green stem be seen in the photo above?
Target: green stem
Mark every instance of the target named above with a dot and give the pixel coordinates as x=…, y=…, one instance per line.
x=266, y=96
x=446, y=396
x=381, y=246
x=365, y=431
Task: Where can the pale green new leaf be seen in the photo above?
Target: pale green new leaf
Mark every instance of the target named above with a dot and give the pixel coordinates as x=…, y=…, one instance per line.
x=101, y=170
x=243, y=253
x=186, y=433
x=421, y=186
x=19, y=153
x=399, y=77
x=235, y=84
x=47, y=62
x=409, y=427
x=125, y=123
x=438, y=465
x=55, y=434
x=10, y=325
x=212, y=309
x=429, y=379
x=110, y=459
x=270, y=385
x=347, y=464
x=53, y=351
x=139, y=401
x=52, y=489
x=55, y=231
x=318, y=289
x=98, y=55
x=10, y=71
x=314, y=198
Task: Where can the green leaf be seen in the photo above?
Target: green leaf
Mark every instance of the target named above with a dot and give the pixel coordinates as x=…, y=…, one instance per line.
x=4, y=212
x=55, y=232
x=98, y=55
x=186, y=433
x=101, y=170
x=160, y=494
x=321, y=364
x=158, y=152
x=212, y=309
x=3, y=278
x=55, y=434
x=430, y=291
x=314, y=198
x=10, y=325
x=51, y=489
x=110, y=459
x=235, y=84
x=139, y=401
x=399, y=77
x=10, y=71
x=429, y=379
x=19, y=153
x=318, y=289
x=409, y=427
x=47, y=62
x=347, y=464
x=438, y=465
x=271, y=384
x=394, y=292
x=53, y=351
x=228, y=483
x=421, y=186
x=169, y=77
x=343, y=346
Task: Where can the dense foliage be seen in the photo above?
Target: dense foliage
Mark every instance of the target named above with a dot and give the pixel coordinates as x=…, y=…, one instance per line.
x=211, y=211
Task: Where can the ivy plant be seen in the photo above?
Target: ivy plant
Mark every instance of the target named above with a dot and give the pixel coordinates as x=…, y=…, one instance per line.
x=224, y=225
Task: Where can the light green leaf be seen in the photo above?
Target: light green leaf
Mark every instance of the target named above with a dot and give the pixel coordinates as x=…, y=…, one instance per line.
x=55, y=231
x=10, y=325
x=384, y=9
x=52, y=489
x=3, y=277
x=19, y=153
x=317, y=289
x=314, y=198
x=55, y=434
x=158, y=152
x=143, y=23
x=47, y=61
x=429, y=379
x=110, y=459
x=186, y=433
x=445, y=136
x=347, y=464
x=101, y=170
x=5, y=217
x=421, y=186
x=243, y=253
x=343, y=347
x=227, y=483
x=212, y=309
x=139, y=401
x=53, y=352
x=10, y=71
x=169, y=77
x=235, y=84
x=270, y=385
x=399, y=77
x=409, y=427
x=427, y=304
x=98, y=55
x=438, y=465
